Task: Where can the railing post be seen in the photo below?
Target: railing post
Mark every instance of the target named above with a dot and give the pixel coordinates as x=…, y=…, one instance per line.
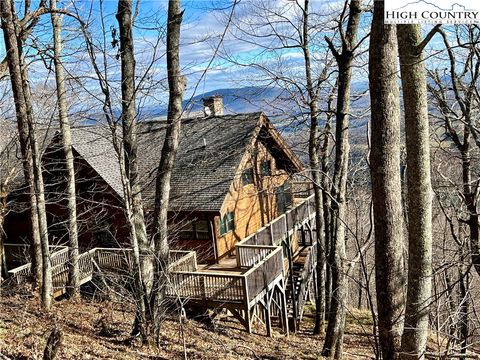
x=271, y=234
x=203, y=287
x=239, y=263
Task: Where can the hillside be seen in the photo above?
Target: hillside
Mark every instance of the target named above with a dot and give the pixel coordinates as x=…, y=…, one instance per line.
x=24, y=330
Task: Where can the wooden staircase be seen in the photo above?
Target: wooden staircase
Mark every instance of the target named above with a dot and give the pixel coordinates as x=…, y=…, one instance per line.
x=299, y=282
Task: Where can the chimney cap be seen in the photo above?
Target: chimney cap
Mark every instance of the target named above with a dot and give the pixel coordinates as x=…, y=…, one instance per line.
x=215, y=104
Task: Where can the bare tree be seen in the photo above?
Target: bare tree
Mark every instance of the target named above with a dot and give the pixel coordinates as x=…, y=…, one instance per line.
x=24, y=139
x=313, y=87
x=386, y=183
x=459, y=120
x=419, y=191
x=30, y=151
x=176, y=85
x=456, y=99
x=333, y=346
x=139, y=239
x=73, y=285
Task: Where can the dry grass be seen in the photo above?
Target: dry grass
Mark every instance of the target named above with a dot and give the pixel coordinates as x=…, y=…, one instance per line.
x=24, y=330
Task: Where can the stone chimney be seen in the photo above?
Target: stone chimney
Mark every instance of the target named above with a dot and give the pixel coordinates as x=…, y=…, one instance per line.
x=214, y=104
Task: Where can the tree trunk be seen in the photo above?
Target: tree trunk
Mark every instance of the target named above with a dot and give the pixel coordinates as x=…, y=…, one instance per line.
x=73, y=285
x=47, y=285
x=333, y=346
x=30, y=151
x=176, y=86
x=386, y=183
x=419, y=192
x=463, y=303
x=320, y=238
x=470, y=196
x=313, y=149
x=13, y=56
x=326, y=189
x=140, y=244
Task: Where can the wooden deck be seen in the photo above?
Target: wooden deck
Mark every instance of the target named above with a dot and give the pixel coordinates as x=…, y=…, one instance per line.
x=251, y=285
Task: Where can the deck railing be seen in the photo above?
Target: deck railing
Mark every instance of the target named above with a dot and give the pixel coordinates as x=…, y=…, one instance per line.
x=261, y=275
x=277, y=230
x=183, y=261
x=250, y=255
x=259, y=253
x=207, y=286
x=85, y=267
x=113, y=258
x=215, y=286
x=58, y=255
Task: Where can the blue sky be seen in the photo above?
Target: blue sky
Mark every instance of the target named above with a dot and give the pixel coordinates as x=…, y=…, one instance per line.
x=204, y=21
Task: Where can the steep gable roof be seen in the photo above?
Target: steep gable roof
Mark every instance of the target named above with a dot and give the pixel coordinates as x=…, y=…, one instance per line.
x=209, y=153
x=206, y=164
x=94, y=144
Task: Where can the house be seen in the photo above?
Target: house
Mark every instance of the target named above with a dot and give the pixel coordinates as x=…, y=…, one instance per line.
x=232, y=176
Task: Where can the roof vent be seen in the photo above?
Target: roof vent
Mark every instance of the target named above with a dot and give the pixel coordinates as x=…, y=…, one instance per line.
x=213, y=105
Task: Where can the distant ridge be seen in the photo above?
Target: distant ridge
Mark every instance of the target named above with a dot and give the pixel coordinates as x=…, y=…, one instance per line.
x=235, y=100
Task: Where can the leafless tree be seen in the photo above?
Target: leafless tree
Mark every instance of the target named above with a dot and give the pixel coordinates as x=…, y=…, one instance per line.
x=454, y=127
x=333, y=346
x=73, y=279
x=30, y=151
x=386, y=184
x=176, y=86
x=140, y=242
x=419, y=190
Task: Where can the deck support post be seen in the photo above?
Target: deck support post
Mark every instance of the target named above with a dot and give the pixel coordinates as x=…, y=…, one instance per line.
x=248, y=319
x=268, y=315
x=284, y=312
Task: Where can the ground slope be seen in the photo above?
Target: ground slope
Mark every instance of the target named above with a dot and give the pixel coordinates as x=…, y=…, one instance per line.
x=100, y=330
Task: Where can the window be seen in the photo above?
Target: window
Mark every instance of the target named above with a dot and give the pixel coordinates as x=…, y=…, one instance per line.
x=284, y=197
x=195, y=230
x=247, y=176
x=201, y=230
x=227, y=223
x=266, y=168
x=187, y=231
x=287, y=189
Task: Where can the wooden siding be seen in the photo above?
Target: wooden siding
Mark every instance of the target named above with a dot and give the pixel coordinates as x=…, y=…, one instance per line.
x=253, y=205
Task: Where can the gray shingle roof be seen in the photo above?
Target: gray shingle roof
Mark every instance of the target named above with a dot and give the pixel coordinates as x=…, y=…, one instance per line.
x=209, y=154
x=10, y=153
x=94, y=145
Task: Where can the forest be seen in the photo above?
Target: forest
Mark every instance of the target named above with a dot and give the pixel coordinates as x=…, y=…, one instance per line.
x=178, y=177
